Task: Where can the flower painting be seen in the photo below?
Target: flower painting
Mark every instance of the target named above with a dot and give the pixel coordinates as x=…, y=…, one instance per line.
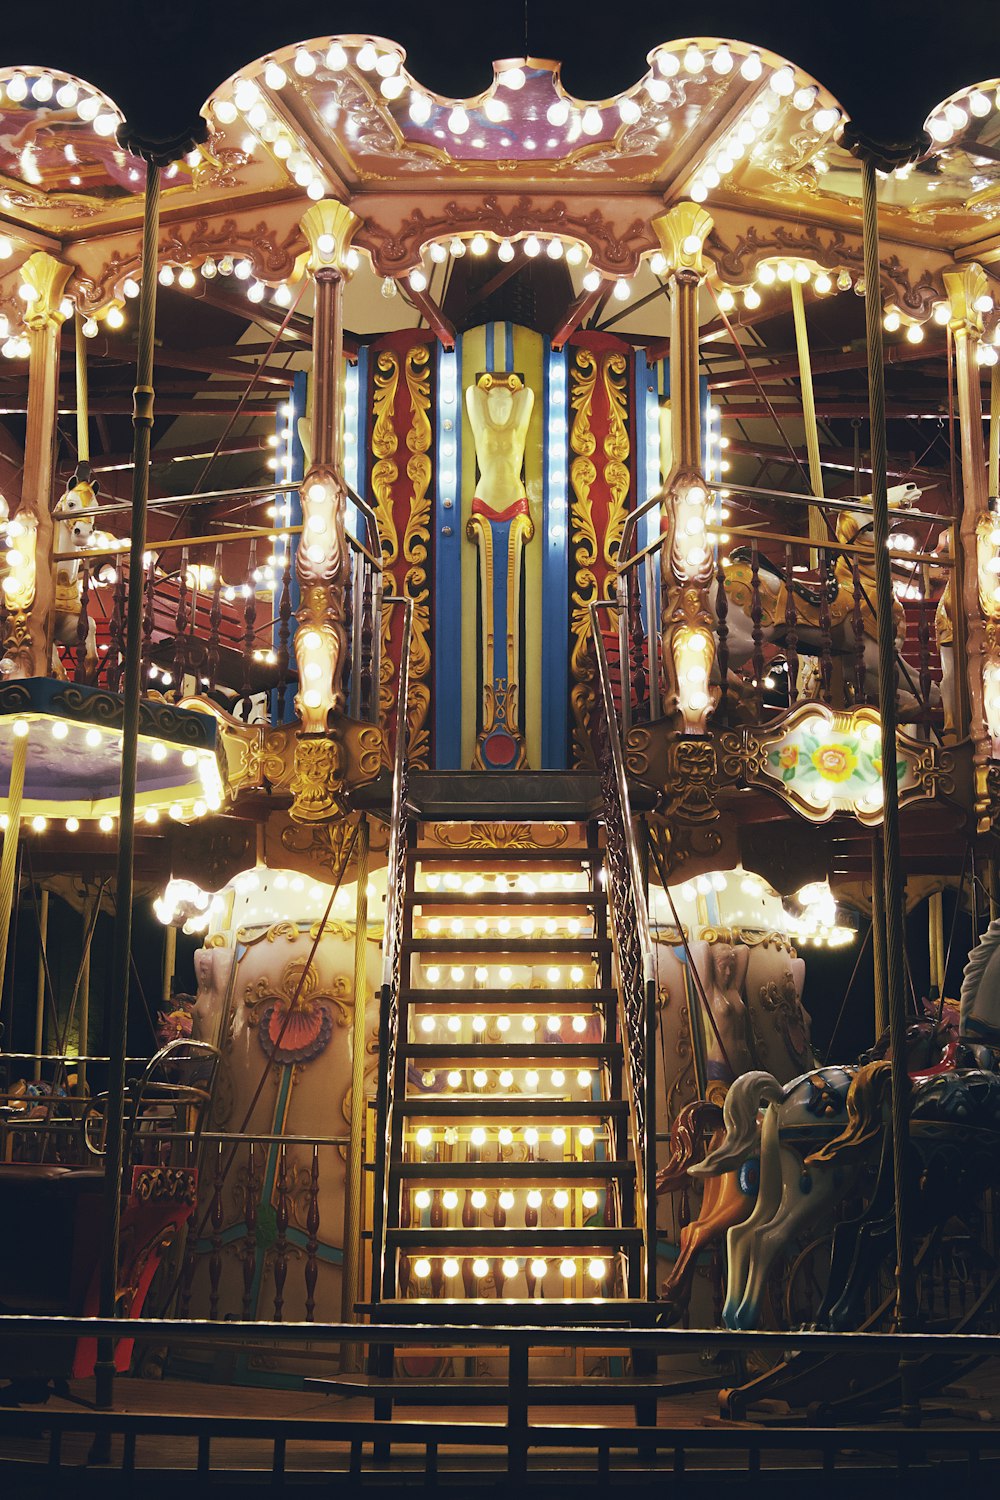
x=831, y=768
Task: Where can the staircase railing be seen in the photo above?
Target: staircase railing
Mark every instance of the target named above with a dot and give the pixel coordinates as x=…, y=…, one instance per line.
x=634, y=958
x=391, y=946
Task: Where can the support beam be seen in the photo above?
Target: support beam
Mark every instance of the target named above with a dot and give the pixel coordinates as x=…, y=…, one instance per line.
x=120, y=971
x=442, y=328
x=575, y=315
x=786, y=366
x=906, y=1305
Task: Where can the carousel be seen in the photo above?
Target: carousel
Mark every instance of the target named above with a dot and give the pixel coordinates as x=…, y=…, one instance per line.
x=500, y=759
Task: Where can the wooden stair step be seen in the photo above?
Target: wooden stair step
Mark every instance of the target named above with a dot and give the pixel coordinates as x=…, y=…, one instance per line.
x=544, y=1001
x=497, y=1055
x=485, y=1109
x=543, y=1240
x=496, y=858
x=505, y=898
x=514, y=944
x=512, y=1171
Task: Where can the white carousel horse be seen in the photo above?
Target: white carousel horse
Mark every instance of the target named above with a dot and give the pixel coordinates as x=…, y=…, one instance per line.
x=800, y=1179
x=75, y=532
x=853, y=529
x=809, y=1111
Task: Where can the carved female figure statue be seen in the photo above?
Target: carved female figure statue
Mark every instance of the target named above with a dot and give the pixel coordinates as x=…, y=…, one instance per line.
x=722, y=968
x=499, y=409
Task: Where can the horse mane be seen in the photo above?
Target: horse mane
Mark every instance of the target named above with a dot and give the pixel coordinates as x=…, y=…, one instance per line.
x=973, y=972
x=695, y=1124
x=739, y=1116
x=865, y=1114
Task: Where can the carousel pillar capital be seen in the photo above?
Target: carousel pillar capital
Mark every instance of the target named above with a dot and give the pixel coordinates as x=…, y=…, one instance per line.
x=26, y=645
x=322, y=561
x=682, y=232
x=329, y=226
x=45, y=280
x=965, y=289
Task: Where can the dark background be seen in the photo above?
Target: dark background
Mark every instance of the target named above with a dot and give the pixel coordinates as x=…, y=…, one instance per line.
x=887, y=62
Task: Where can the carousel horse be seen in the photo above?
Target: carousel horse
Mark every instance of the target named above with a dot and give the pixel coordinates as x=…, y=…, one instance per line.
x=75, y=532
x=954, y=1081
x=728, y=1197
x=779, y=595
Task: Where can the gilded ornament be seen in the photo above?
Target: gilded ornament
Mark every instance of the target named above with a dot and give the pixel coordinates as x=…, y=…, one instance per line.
x=682, y=233
x=415, y=549
x=47, y=279
x=317, y=779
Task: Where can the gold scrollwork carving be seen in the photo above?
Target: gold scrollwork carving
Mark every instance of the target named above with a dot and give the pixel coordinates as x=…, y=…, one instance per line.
x=415, y=548
x=502, y=836
x=385, y=472
x=317, y=779
x=614, y=372
x=582, y=474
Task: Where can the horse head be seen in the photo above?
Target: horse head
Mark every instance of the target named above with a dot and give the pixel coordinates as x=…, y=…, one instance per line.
x=77, y=511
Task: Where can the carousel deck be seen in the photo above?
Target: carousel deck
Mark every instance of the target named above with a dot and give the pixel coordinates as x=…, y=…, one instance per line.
x=166, y=1432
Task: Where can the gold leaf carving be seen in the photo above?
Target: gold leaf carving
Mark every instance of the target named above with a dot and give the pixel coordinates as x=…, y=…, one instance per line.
x=415, y=546
x=614, y=371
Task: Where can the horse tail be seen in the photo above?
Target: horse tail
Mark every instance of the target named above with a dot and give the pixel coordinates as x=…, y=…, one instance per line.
x=739, y=1117
x=692, y=1127
x=866, y=1101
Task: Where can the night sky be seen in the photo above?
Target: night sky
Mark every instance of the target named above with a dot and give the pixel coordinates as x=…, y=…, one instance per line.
x=887, y=62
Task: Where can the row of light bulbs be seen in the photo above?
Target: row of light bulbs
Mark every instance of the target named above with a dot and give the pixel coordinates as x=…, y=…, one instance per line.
x=754, y=122
x=471, y=885
x=529, y=926
x=530, y=1134
x=529, y=1024
x=505, y=974
x=954, y=116
x=568, y=1269
x=481, y=1079
x=94, y=109
x=506, y=1199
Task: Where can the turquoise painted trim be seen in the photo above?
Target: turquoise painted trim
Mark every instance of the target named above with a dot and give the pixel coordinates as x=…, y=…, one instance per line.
x=555, y=565
x=448, y=565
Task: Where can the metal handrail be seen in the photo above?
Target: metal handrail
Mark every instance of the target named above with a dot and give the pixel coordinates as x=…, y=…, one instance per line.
x=391, y=943
x=627, y=901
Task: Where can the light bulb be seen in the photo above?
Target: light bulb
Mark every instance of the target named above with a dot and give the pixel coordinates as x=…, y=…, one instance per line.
x=534, y=1198
x=752, y=67
x=450, y=1267
x=424, y=1137
x=478, y=1136
x=590, y=1198
x=722, y=60
x=513, y=78
x=510, y=1268
x=694, y=59
x=530, y=1135
x=480, y=1267
x=668, y=63
x=597, y=1269
x=539, y=1268
x=506, y=1079
x=421, y=1268
x=586, y=1136
x=59, y=729
x=558, y=1079
x=531, y=1079
x=479, y=1078
x=92, y=738
x=532, y=246
x=567, y=1269
x=450, y=1198
x=72, y=824
x=458, y=121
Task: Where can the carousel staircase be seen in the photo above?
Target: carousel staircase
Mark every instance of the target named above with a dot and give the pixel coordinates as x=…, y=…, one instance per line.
x=510, y=1189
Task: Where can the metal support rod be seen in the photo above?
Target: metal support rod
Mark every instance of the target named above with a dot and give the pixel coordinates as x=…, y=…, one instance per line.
x=993, y=478
x=43, y=935
x=169, y=962
x=354, y=1198
x=8, y=856
x=905, y=1281
x=84, y=1031
x=817, y=530
x=878, y=936
x=82, y=394
x=118, y=989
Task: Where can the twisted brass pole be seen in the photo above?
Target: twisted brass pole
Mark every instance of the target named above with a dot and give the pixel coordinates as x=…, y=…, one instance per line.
x=142, y=423
x=905, y=1279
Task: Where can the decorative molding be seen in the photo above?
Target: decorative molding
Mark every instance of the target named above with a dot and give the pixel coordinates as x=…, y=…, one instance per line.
x=613, y=248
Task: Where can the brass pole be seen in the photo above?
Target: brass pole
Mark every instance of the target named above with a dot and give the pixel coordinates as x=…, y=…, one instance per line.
x=8, y=856
x=817, y=529
x=169, y=962
x=878, y=938
x=82, y=394
x=935, y=943
x=354, y=1200
x=43, y=934
x=905, y=1278
x=118, y=989
x=84, y=1032
x=994, y=464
